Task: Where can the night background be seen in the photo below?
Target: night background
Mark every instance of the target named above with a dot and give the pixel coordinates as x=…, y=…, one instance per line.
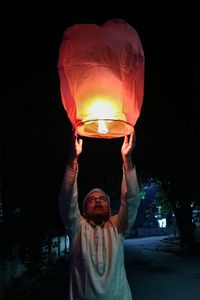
x=35, y=130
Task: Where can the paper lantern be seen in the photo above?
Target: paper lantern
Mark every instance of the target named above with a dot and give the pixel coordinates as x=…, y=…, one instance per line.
x=101, y=70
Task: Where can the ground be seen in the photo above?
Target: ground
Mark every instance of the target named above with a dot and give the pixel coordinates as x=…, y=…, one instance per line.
x=157, y=269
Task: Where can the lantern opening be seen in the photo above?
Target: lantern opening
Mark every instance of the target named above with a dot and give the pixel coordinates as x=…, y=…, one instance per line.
x=104, y=128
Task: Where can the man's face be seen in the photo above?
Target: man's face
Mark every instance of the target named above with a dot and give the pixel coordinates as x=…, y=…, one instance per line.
x=97, y=206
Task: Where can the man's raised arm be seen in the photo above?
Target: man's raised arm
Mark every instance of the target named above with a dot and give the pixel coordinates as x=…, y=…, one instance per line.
x=130, y=199
x=68, y=204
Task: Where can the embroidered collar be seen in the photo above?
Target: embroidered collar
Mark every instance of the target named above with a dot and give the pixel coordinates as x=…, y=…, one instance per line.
x=93, y=224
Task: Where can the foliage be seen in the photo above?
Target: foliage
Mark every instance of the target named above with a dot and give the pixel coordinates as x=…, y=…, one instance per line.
x=160, y=207
x=195, y=196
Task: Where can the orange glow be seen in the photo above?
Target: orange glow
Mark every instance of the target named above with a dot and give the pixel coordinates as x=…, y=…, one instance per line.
x=101, y=110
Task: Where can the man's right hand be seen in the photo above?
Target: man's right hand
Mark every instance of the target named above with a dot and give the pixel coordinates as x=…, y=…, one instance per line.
x=75, y=151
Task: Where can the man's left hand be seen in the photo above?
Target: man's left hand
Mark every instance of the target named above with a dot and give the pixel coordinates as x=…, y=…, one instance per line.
x=128, y=146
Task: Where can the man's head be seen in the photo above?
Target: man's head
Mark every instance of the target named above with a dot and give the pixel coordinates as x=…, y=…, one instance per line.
x=96, y=206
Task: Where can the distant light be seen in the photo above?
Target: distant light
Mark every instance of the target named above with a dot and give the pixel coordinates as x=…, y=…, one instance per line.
x=162, y=223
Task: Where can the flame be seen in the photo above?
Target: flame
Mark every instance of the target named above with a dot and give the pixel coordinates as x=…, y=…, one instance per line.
x=102, y=127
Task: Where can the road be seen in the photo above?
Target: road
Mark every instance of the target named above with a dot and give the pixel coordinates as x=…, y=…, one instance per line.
x=157, y=271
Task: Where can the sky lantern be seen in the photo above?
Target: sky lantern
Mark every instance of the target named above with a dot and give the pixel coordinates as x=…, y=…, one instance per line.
x=101, y=71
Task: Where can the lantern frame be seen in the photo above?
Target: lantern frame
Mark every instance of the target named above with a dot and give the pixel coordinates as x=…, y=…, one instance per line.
x=123, y=128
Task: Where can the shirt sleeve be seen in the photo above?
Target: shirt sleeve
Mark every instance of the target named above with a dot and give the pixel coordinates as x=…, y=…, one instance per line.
x=68, y=204
x=130, y=201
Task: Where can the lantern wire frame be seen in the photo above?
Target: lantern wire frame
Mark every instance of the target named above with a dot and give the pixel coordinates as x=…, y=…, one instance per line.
x=104, y=128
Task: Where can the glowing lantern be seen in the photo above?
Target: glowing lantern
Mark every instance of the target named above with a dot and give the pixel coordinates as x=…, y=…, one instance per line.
x=101, y=70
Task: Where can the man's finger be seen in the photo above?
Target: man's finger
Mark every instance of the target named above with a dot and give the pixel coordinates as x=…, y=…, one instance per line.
x=80, y=141
x=131, y=138
x=74, y=137
x=125, y=139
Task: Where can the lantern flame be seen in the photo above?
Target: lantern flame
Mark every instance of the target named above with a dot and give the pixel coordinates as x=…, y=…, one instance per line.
x=102, y=127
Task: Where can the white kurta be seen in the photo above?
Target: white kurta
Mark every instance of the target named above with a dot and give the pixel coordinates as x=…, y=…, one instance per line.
x=97, y=257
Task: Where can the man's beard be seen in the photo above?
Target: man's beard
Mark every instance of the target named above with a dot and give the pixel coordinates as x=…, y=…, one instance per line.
x=100, y=216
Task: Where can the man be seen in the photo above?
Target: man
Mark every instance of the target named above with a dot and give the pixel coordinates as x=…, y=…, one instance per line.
x=97, y=258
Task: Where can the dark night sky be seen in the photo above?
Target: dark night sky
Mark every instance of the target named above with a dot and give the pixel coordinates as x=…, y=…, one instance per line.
x=36, y=131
